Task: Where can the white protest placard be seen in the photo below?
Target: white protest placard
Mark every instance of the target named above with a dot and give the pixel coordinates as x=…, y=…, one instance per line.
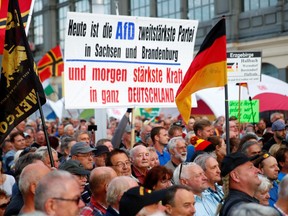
x=120, y=61
x=243, y=67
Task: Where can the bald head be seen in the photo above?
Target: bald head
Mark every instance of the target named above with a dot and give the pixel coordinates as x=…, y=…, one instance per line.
x=30, y=175
x=100, y=177
x=117, y=187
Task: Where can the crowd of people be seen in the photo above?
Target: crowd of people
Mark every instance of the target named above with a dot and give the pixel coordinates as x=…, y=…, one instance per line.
x=157, y=166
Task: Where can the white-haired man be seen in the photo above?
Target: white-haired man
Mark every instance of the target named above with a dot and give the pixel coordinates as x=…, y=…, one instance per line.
x=178, y=152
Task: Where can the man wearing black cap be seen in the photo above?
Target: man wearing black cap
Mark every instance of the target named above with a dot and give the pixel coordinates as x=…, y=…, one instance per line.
x=240, y=181
x=138, y=200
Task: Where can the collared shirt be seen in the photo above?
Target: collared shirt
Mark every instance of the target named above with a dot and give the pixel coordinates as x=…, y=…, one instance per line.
x=235, y=198
x=273, y=194
x=205, y=205
x=163, y=158
x=139, y=175
x=93, y=209
x=217, y=195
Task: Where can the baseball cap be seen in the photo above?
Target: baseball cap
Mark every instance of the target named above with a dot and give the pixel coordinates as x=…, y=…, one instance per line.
x=74, y=167
x=278, y=125
x=81, y=148
x=128, y=129
x=233, y=160
x=101, y=149
x=26, y=135
x=136, y=198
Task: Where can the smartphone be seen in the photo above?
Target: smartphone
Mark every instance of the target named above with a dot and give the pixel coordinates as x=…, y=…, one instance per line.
x=92, y=127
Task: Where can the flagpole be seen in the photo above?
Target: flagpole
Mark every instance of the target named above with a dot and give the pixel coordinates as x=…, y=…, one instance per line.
x=227, y=128
x=252, y=112
x=133, y=140
x=45, y=131
x=239, y=103
x=239, y=106
x=29, y=17
x=227, y=119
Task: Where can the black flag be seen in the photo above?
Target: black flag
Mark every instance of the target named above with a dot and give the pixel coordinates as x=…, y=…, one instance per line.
x=19, y=81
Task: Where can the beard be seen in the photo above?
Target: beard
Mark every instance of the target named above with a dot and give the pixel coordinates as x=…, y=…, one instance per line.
x=180, y=156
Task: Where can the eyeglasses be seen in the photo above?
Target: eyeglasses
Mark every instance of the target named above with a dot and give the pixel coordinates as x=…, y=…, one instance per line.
x=76, y=200
x=81, y=177
x=121, y=164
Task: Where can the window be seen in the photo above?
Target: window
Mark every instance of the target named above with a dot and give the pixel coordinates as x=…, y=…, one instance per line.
x=140, y=8
x=257, y=4
x=36, y=25
x=107, y=7
x=168, y=9
x=270, y=70
x=82, y=6
x=38, y=30
x=62, y=15
x=38, y=6
x=201, y=9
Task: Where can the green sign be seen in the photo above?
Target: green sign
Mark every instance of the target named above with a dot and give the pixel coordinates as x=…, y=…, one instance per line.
x=248, y=110
x=149, y=112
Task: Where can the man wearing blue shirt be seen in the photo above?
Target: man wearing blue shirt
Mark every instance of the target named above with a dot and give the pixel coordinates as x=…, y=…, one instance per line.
x=159, y=136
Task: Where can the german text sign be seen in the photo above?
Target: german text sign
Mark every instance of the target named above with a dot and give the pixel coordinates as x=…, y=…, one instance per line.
x=244, y=67
x=120, y=61
x=249, y=110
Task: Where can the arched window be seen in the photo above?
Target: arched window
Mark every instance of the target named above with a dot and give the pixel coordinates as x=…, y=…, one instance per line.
x=270, y=70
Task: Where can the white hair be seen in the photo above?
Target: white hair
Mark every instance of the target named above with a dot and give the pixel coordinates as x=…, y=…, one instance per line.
x=265, y=183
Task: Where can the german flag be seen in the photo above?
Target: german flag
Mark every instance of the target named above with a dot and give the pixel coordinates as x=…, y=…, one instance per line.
x=51, y=64
x=24, y=5
x=245, y=85
x=208, y=69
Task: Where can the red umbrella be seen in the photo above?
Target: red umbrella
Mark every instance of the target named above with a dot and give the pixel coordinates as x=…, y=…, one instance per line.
x=272, y=101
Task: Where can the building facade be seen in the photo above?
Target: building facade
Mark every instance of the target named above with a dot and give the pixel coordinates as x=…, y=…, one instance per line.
x=252, y=25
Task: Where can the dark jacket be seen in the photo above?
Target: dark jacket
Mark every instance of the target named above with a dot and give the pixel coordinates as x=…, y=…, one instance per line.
x=234, y=199
x=111, y=212
x=270, y=142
